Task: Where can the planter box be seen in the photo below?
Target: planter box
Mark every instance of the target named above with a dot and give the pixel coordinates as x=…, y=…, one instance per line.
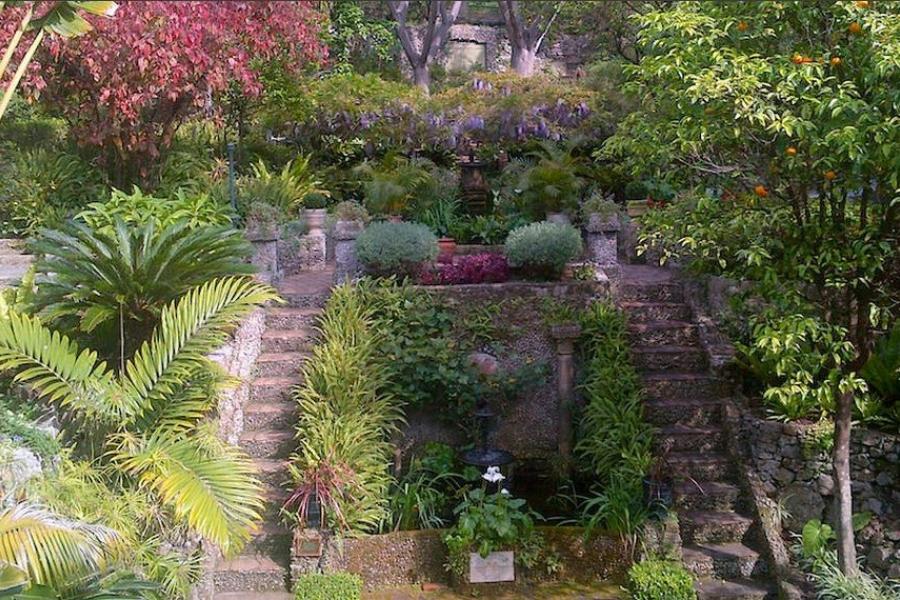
x=496, y=567
x=636, y=208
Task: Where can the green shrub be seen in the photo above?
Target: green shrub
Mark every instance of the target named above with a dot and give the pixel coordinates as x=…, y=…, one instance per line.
x=137, y=209
x=395, y=248
x=350, y=211
x=346, y=421
x=660, y=580
x=328, y=586
x=284, y=189
x=262, y=220
x=543, y=249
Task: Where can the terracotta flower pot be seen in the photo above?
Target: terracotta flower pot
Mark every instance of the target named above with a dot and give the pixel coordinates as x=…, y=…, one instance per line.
x=446, y=250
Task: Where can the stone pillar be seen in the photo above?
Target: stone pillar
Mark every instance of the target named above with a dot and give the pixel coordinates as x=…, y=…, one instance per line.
x=565, y=336
x=265, y=256
x=346, y=264
x=602, y=240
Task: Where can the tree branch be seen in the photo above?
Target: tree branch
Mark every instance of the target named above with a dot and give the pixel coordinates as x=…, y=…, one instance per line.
x=546, y=29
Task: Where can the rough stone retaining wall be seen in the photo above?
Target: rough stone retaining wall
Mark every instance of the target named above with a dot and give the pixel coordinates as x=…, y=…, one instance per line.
x=796, y=470
x=519, y=314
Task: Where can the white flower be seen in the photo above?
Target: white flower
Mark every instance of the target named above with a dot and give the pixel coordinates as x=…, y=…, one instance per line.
x=493, y=475
x=505, y=492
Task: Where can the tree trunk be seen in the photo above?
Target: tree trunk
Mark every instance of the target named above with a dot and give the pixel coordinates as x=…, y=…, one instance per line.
x=843, y=497
x=422, y=77
x=523, y=61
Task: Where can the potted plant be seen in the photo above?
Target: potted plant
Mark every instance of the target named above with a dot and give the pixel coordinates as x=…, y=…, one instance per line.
x=493, y=533
x=442, y=217
x=636, y=195
x=314, y=212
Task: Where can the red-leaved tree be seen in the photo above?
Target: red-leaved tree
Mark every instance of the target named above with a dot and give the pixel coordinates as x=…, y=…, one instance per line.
x=127, y=86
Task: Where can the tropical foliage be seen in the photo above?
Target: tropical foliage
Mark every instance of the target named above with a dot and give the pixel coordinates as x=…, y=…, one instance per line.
x=108, y=286
x=146, y=420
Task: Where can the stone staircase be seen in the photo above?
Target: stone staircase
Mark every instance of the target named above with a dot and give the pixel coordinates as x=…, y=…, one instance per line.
x=684, y=401
x=262, y=571
x=13, y=263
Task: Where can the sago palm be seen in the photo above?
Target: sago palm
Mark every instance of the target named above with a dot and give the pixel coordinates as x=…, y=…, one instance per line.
x=152, y=409
x=108, y=288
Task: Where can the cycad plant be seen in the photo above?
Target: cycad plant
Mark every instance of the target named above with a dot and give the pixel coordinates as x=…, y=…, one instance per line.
x=554, y=184
x=108, y=288
x=391, y=185
x=149, y=414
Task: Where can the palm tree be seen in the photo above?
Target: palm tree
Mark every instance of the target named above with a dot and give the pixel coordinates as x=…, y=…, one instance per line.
x=150, y=413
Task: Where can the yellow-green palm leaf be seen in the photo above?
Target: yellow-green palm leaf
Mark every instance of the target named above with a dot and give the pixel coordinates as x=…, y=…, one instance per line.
x=53, y=550
x=209, y=485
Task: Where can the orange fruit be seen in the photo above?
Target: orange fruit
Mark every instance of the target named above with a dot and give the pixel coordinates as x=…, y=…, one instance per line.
x=808, y=59
x=862, y=4
x=791, y=151
x=742, y=26
x=761, y=191
x=797, y=59
x=855, y=28
x=836, y=61
x=830, y=175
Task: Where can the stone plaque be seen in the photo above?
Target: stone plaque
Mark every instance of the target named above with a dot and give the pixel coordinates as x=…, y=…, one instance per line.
x=465, y=56
x=498, y=566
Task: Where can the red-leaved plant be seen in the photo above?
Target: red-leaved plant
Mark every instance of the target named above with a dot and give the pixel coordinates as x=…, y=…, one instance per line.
x=475, y=268
x=329, y=483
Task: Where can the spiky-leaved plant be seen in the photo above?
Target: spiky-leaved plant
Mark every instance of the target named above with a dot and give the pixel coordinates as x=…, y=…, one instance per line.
x=149, y=413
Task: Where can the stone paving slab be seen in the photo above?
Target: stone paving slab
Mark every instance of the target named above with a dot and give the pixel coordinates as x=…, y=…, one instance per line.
x=556, y=591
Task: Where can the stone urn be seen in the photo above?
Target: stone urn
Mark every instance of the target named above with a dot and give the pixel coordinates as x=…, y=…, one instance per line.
x=315, y=220
x=346, y=263
x=603, y=238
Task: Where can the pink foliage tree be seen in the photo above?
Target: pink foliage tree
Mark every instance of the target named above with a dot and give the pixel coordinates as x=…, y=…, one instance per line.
x=127, y=86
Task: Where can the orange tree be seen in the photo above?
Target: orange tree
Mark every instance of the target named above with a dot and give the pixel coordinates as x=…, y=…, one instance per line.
x=783, y=117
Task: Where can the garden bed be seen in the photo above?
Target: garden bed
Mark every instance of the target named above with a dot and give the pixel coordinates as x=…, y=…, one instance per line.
x=416, y=557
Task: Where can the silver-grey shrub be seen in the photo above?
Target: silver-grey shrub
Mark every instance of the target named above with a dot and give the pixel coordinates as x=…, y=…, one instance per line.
x=387, y=248
x=542, y=250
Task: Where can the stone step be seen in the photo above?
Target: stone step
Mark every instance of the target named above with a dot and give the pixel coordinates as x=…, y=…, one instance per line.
x=683, y=386
x=657, y=359
x=699, y=466
x=255, y=596
x=311, y=300
x=686, y=438
x=274, y=499
x=22, y=261
x=722, y=561
x=277, y=415
x=707, y=527
x=272, y=471
x=705, y=495
x=651, y=292
x=11, y=246
x=275, y=388
x=295, y=340
x=251, y=573
x=272, y=541
x=685, y=412
x=268, y=443
x=272, y=364
x=291, y=318
x=663, y=333
x=740, y=589
x=643, y=312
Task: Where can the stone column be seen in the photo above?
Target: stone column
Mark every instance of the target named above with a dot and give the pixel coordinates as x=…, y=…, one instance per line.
x=565, y=336
x=346, y=264
x=602, y=240
x=265, y=256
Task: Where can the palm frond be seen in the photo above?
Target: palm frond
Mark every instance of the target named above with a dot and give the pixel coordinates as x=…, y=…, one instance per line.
x=53, y=366
x=53, y=550
x=211, y=486
x=189, y=329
